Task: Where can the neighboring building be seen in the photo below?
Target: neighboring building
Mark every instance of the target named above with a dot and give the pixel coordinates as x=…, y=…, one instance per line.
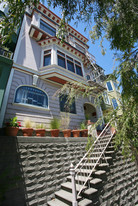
x=5, y=68
x=112, y=96
x=42, y=65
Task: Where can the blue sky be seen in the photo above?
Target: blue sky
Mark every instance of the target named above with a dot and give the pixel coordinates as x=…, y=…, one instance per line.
x=106, y=61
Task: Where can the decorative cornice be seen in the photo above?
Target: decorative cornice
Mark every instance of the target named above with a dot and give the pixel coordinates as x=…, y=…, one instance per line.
x=57, y=20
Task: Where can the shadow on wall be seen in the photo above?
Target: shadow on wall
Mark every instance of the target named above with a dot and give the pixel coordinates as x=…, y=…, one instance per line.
x=12, y=187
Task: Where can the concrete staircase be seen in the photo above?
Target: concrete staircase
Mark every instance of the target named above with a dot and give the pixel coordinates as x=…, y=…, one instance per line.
x=89, y=194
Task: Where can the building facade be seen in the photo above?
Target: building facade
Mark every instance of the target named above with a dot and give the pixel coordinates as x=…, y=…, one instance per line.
x=42, y=65
x=112, y=96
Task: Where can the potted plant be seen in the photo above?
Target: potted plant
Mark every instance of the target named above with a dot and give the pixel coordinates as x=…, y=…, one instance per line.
x=27, y=130
x=65, y=120
x=84, y=130
x=76, y=132
x=40, y=130
x=12, y=127
x=55, y=124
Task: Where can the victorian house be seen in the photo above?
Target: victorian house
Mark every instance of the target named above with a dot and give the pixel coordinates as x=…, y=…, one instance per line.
x=42, y=65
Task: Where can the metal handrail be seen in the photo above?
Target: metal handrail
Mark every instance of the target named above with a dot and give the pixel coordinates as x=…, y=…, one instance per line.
x=84, y=160
x=91, y=146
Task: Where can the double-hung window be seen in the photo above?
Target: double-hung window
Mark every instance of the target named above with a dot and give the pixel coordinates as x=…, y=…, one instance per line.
x=47, y=28
x=70, y=64
x=78, y=68
x=32, y=96
x=116, y=86
x=109, y=86
x=114, y=102
x=106, y=98
x=47, y=58
x=61, y=59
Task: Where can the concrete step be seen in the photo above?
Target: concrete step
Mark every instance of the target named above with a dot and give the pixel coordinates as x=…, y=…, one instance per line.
x=85, y=202
x=65, y=197
x=103, y=166
x=79, y=178
x=85, y=171
x=110, y=148
x=68, y=186
x=87, y=165
x=56, y=202
x=96, y=158
x=99, y=174
x=109, y=153
x=90, y=193
x=96, y=183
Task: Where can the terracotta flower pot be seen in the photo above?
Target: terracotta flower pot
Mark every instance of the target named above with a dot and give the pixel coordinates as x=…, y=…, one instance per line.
x=40, y=132
x=76, y=133
x=11, y=131
x=67, y=132
x=84, y=132
x=54, y=132
x=27, y=132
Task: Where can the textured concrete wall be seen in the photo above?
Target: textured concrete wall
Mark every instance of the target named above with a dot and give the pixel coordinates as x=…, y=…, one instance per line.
x=120, y=187
x=32, y=168
x=37, y=167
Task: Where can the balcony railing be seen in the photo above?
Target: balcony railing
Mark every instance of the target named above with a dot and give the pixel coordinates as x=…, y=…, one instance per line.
x=6, y=53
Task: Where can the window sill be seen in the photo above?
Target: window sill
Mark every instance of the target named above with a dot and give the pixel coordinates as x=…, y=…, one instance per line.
x=31, y=106
x=64, y=113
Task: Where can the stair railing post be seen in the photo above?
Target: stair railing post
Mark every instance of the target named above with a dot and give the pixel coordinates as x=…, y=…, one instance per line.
x=74, y=193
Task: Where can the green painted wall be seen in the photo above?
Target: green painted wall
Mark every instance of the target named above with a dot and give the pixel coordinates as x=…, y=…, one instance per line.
x=5, y=68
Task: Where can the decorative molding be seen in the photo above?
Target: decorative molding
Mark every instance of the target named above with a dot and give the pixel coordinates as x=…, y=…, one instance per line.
x=35, y=79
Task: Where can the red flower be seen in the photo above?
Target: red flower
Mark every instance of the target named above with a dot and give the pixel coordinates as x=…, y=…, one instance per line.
x=19, y=124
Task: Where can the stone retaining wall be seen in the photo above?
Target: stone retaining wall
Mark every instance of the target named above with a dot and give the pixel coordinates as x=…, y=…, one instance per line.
x=121, y=185
x=37, y=166
x=32, y=168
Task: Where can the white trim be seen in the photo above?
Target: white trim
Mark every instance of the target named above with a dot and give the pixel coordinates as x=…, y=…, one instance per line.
x=25, y=69
x=19, y=40
x=31, y=106
x=111, y=86
x=5, y=99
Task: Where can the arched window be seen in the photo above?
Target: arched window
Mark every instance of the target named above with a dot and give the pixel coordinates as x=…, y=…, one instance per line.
x=31, y=95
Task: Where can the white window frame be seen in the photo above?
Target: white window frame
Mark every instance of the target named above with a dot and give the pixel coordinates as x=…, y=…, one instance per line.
x=29, y=105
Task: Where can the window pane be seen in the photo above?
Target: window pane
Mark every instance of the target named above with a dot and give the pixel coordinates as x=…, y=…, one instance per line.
x=47, y=60
x=77, y=62
x=115, y=105
x=61, y=62
x=61, y=53
x=116, y=86
x=88, y=77
x=109, y=86
x=31, y=95
x=70, y=58
x=47, y=28
x=64, y=107
x=70, y=66
x=106, y=98
x=78, y=70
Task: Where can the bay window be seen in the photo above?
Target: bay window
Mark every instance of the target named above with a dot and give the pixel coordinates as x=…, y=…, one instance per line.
x=69, y=63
